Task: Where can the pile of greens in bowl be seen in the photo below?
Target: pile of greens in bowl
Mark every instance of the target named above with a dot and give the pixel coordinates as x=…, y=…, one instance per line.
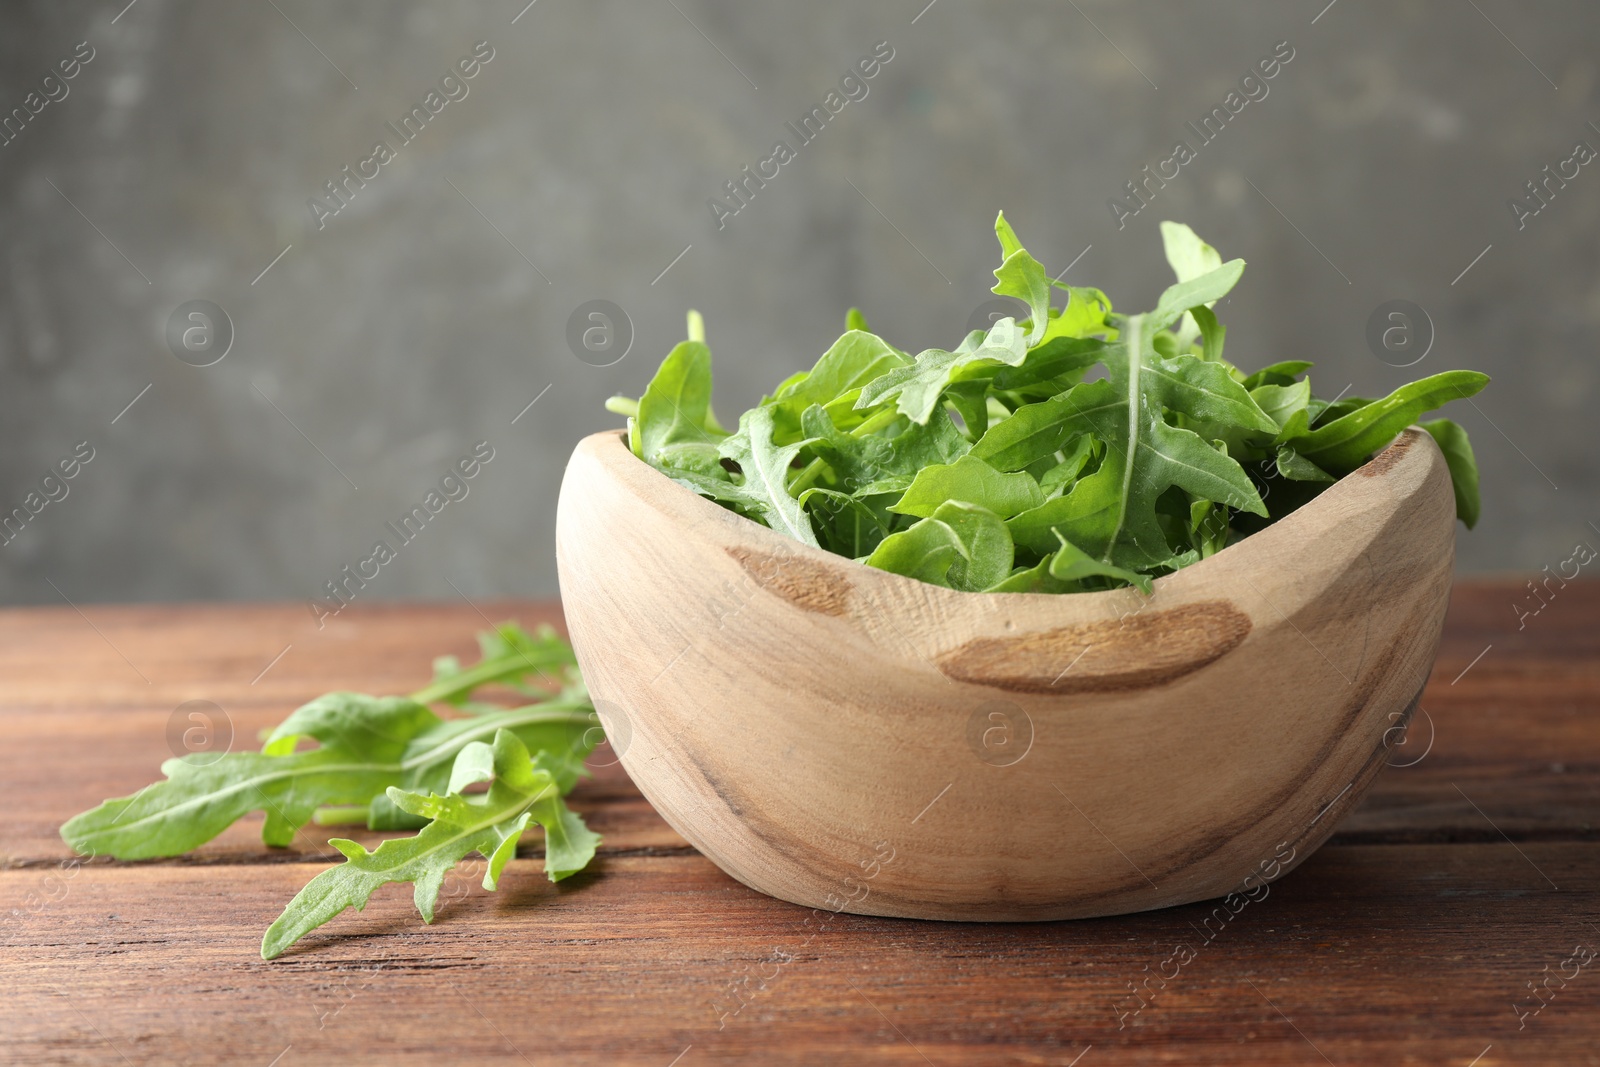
x=1074, y=449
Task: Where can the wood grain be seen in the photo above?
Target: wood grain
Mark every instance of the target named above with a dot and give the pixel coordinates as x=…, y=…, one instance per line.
x=1408, y=939
x=801, y=719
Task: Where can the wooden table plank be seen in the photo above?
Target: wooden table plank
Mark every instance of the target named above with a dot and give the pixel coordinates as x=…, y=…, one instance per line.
x=1375, y=953
x=1409, y=938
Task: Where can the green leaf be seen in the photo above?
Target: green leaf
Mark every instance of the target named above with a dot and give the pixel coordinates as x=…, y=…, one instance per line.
x=920, y=385
x=1071, y=564
x=1056, y=363
x=845, y=524
x=987, y=554
x=1452, y=441
x=1112, y=513
x=1023, y=277
x=971, y=401
x=489, y=823
x=1283, y=373
x=1345, y=443
x=1322, y=412
x=766, y=474
x=1280, y=402
x=854, y=320
x=676, y=407
x=1033, y=432
x=363, y=742
x=1214, y=403
x=722, y=490
x=1034, y=579
x=1187, y=254
x=1084, y=316
x=1192, y=293
x=925, y=552
x=1294, y=466
x=562, y=731
x=1063, y=474
x=1212, y=334
x=973, y=481
x=867, y=463
x=1191, y=258
x=367, y=744
x=509, y=656
x=850, y=363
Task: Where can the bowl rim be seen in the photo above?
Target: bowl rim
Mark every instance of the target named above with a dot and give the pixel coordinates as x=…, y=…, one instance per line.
x=1381, y=464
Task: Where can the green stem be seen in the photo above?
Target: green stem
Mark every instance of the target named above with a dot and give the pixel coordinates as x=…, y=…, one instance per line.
x=494, y=670
x=874, y=423
x=340, y=816
x=805, y=478
x=808, y=477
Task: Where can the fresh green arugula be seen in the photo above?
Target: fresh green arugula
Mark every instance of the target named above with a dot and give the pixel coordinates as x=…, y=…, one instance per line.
x=1072, y=450
x=393, y=764
x=523, y=789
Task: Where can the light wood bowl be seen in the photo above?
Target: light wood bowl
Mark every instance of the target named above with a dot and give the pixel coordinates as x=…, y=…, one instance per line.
x=845, y=738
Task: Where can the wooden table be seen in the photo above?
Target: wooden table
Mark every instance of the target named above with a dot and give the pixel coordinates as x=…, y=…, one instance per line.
x=1468, y=877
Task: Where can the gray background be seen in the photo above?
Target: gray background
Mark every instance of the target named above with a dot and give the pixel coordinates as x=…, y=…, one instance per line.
x=408, y=328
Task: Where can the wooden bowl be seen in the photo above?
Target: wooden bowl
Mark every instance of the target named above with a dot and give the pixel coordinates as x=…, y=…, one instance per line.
x=849, y=739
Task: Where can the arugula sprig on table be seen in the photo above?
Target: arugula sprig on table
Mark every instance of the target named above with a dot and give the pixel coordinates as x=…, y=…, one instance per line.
x=1000, y=466
x=523, y=789
x=394, y=764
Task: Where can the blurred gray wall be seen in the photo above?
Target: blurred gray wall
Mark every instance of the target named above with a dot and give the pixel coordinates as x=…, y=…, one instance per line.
x=428, y=313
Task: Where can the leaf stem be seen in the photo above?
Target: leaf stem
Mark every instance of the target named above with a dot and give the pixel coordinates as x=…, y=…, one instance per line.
x=346, y=815
x=493, y=670
x=874, y=423
x=808, y=477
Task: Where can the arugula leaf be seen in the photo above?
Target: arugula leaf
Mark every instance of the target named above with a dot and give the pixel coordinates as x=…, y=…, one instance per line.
x=1022, y=276
x=367, y=744
x=920, y=385
x=1112, y=513
x=1073, y=564
x=974, y=481
x=374, y=757
x=1283, y=373
x=460, y=824
x=721, y=489
x=988, y=552
x=866, y=463
x=925, y=551
x=1452, y=441
x=1281, y=402
x=1294, y=466
x=854, y=359
x=850, y=525
x=1187, y=255
x=676, y=406
x=1034, y=579
x=1345, y=443
x=509, y=654
x=1057, y=363
x=1074, y=459
x=766, y=473
x=363, y=741
x=1190, y=258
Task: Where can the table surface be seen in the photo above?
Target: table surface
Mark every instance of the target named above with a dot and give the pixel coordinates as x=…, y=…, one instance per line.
x=1450, y=919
